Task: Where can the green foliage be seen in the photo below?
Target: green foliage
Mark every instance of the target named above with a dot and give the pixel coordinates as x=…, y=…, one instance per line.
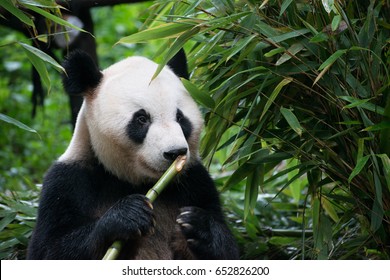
x=17, y=213
x=21, y=9
x=299, y=93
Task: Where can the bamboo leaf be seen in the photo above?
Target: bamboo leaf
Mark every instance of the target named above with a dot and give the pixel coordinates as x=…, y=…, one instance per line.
x=380, y=126
x=40, y=3
x=319, y=37
x=166, y=30
x=260, y=158
x=43, y=56
x=284, y=6
x=200, y=96
x=377, y=211
x=16, y=122
x=366, y=34
x=288, y=170
x=328, y=62
x=238, y=47
x=358, y=168
x=362, y=103
x=239, y=175
x=335, y=22
x=251, y=192
x=9, y=6
x=7, y=219
x=360, y=150
x=330, y=209
x=54, y=18
x=274, y=52
x=316, y=216
x=294, y=186
x=274, y=94
x=280, y=241
x=293, y=50
x=39, y=66
x=376, y=215
x=292, y=120
x=23, y=208
x=288, y=35
x=265, y=2
x=328, y=5
x=322, y=74
x=386, y=168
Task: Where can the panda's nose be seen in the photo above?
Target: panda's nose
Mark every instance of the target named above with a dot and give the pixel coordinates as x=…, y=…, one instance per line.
x=173, y=154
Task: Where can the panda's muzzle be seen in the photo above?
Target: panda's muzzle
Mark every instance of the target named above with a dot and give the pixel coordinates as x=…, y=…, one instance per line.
x=174, y=153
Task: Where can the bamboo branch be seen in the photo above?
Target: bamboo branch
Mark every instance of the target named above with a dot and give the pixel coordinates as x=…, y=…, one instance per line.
x=114, y=250
x=95, y=3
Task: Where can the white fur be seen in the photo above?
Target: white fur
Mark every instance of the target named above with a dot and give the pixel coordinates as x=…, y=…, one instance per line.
x=125, y=88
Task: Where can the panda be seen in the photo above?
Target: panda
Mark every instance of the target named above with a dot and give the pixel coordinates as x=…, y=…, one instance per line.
x=129, y=130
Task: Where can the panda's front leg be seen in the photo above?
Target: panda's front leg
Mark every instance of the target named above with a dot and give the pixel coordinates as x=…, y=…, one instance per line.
x=207, y=234
x=129, y=219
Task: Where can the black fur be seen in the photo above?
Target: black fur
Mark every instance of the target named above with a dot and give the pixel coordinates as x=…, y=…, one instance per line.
x=83, y=210
x=138, y=126
x=82, y=73
x=178, y=64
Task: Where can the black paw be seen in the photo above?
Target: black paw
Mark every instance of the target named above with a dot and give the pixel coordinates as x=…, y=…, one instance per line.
x=195, y=225
x=130, y=218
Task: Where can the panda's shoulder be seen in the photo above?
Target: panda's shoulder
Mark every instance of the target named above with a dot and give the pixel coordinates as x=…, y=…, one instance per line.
x=66, y=179
x=78, y=178
x=69, y=172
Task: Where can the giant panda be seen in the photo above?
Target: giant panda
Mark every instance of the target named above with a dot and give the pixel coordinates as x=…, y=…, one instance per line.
x=129, y=130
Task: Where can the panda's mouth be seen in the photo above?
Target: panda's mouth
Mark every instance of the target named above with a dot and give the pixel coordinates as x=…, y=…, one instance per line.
x=152, y=171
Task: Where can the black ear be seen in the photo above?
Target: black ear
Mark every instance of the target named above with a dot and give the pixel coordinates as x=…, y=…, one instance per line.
x=178, y=64
x=81, y=73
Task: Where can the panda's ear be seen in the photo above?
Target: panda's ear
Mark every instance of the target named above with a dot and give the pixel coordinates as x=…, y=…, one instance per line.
x=178, y=64
x=82, y=73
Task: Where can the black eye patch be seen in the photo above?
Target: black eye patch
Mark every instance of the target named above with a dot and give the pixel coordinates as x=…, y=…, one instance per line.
x=185, y=123
x=138, y=126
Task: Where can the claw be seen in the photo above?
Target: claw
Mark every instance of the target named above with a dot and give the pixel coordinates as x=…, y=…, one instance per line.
x=187, y=226
x=149, y=204
x=191, y=241
x=185, y=213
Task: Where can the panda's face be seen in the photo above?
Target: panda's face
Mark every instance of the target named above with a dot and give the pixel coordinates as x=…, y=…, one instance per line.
x=139, y=126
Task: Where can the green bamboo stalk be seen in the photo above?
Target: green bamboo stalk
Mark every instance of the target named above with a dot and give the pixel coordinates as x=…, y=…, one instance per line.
x=114, y=250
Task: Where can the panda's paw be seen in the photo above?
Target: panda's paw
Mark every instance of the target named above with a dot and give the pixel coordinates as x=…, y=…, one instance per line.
x=195, y=225
x=130, y=218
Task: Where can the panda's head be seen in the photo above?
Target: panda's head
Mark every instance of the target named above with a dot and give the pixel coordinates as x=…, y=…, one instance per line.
x=133, y=125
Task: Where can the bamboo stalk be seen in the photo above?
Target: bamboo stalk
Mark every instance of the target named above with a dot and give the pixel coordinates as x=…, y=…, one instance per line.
x=114, y=250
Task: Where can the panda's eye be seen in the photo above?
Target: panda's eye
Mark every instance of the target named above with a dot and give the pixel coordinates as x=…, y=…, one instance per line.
x=138, y=127
x=184, y=123
x=141, y=117
x=142, y=120
x=179, y=116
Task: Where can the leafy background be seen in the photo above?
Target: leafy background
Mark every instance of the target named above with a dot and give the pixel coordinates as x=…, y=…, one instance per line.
x=296, y=106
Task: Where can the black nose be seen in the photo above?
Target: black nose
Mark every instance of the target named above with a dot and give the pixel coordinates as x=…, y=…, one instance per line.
x=173, y=154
